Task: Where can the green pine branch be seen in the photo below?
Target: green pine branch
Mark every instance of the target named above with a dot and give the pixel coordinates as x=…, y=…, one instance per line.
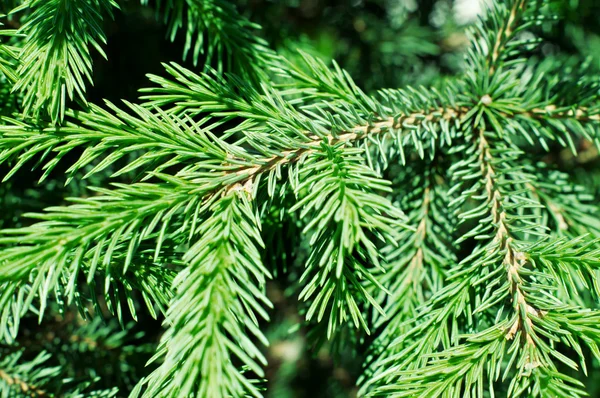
x=91, y=235
x=55, y=60
x=417, y=263
x=215, y=31
x=34, y=378
x=224, y=286
x=337, y=195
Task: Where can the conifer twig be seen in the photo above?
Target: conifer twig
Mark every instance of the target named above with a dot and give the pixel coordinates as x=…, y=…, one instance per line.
x=505, y=33
x=383, y=126
x=580, y=114
x=357, y=133
x=513, y=258
x=22, y=385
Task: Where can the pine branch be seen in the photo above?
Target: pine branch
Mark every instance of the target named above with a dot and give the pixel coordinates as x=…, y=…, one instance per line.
x=164, y=140
x=92, y=234
x=417, y=373
x=260, y=113
x=448, y=374
x=313, y=79
x=339, y=193
x=402, y=118
x=574, y=262
x=506, y=30
x=181, y=141
x=36, y=378
x=532, y=98
x=346, y=138
x=416, y=265
x=497, y=227
x=22, y=385
x=569, y=207
x=214, y=29
x=55, y=60
x=214, y=317
x=483, y=291
x=8, y=56
x=495, y=44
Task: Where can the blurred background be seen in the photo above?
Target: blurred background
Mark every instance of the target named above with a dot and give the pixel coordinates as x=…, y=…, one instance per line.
x=381, y=43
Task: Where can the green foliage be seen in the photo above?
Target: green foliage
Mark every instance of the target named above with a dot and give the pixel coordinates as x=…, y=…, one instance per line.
x=55, y=60
x=21, y=378
x=439, y=235
x=215, y=30
x=200, y=345
x=338, y=201
x=70, y=355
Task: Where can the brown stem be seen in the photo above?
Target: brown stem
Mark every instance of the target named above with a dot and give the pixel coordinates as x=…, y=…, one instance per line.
x=248, y=173
x=514, y=260
x=580, y=114
x=505, y=33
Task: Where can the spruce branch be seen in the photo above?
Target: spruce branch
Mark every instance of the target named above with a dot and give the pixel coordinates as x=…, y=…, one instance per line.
x=313, y=79
x=12, y=375
x=302, y=127
x=109, y=135
x=569, y=207
x=407, y=366
x=415, y=262
x=496, y=227
x=416, y=265
x=93, y=234
x=338, y=192
x=576, y=258
x=55, y=60
x=448, y=374
x=36, y=378
x=418, y=374
x=8, y=56
x=484, y=288
x=346, y=138
x=495, y=44
x=224, y=287
x=506, y=29
x=95, y=219
x=402, y=118
x=216, y=31
x=502, y=238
